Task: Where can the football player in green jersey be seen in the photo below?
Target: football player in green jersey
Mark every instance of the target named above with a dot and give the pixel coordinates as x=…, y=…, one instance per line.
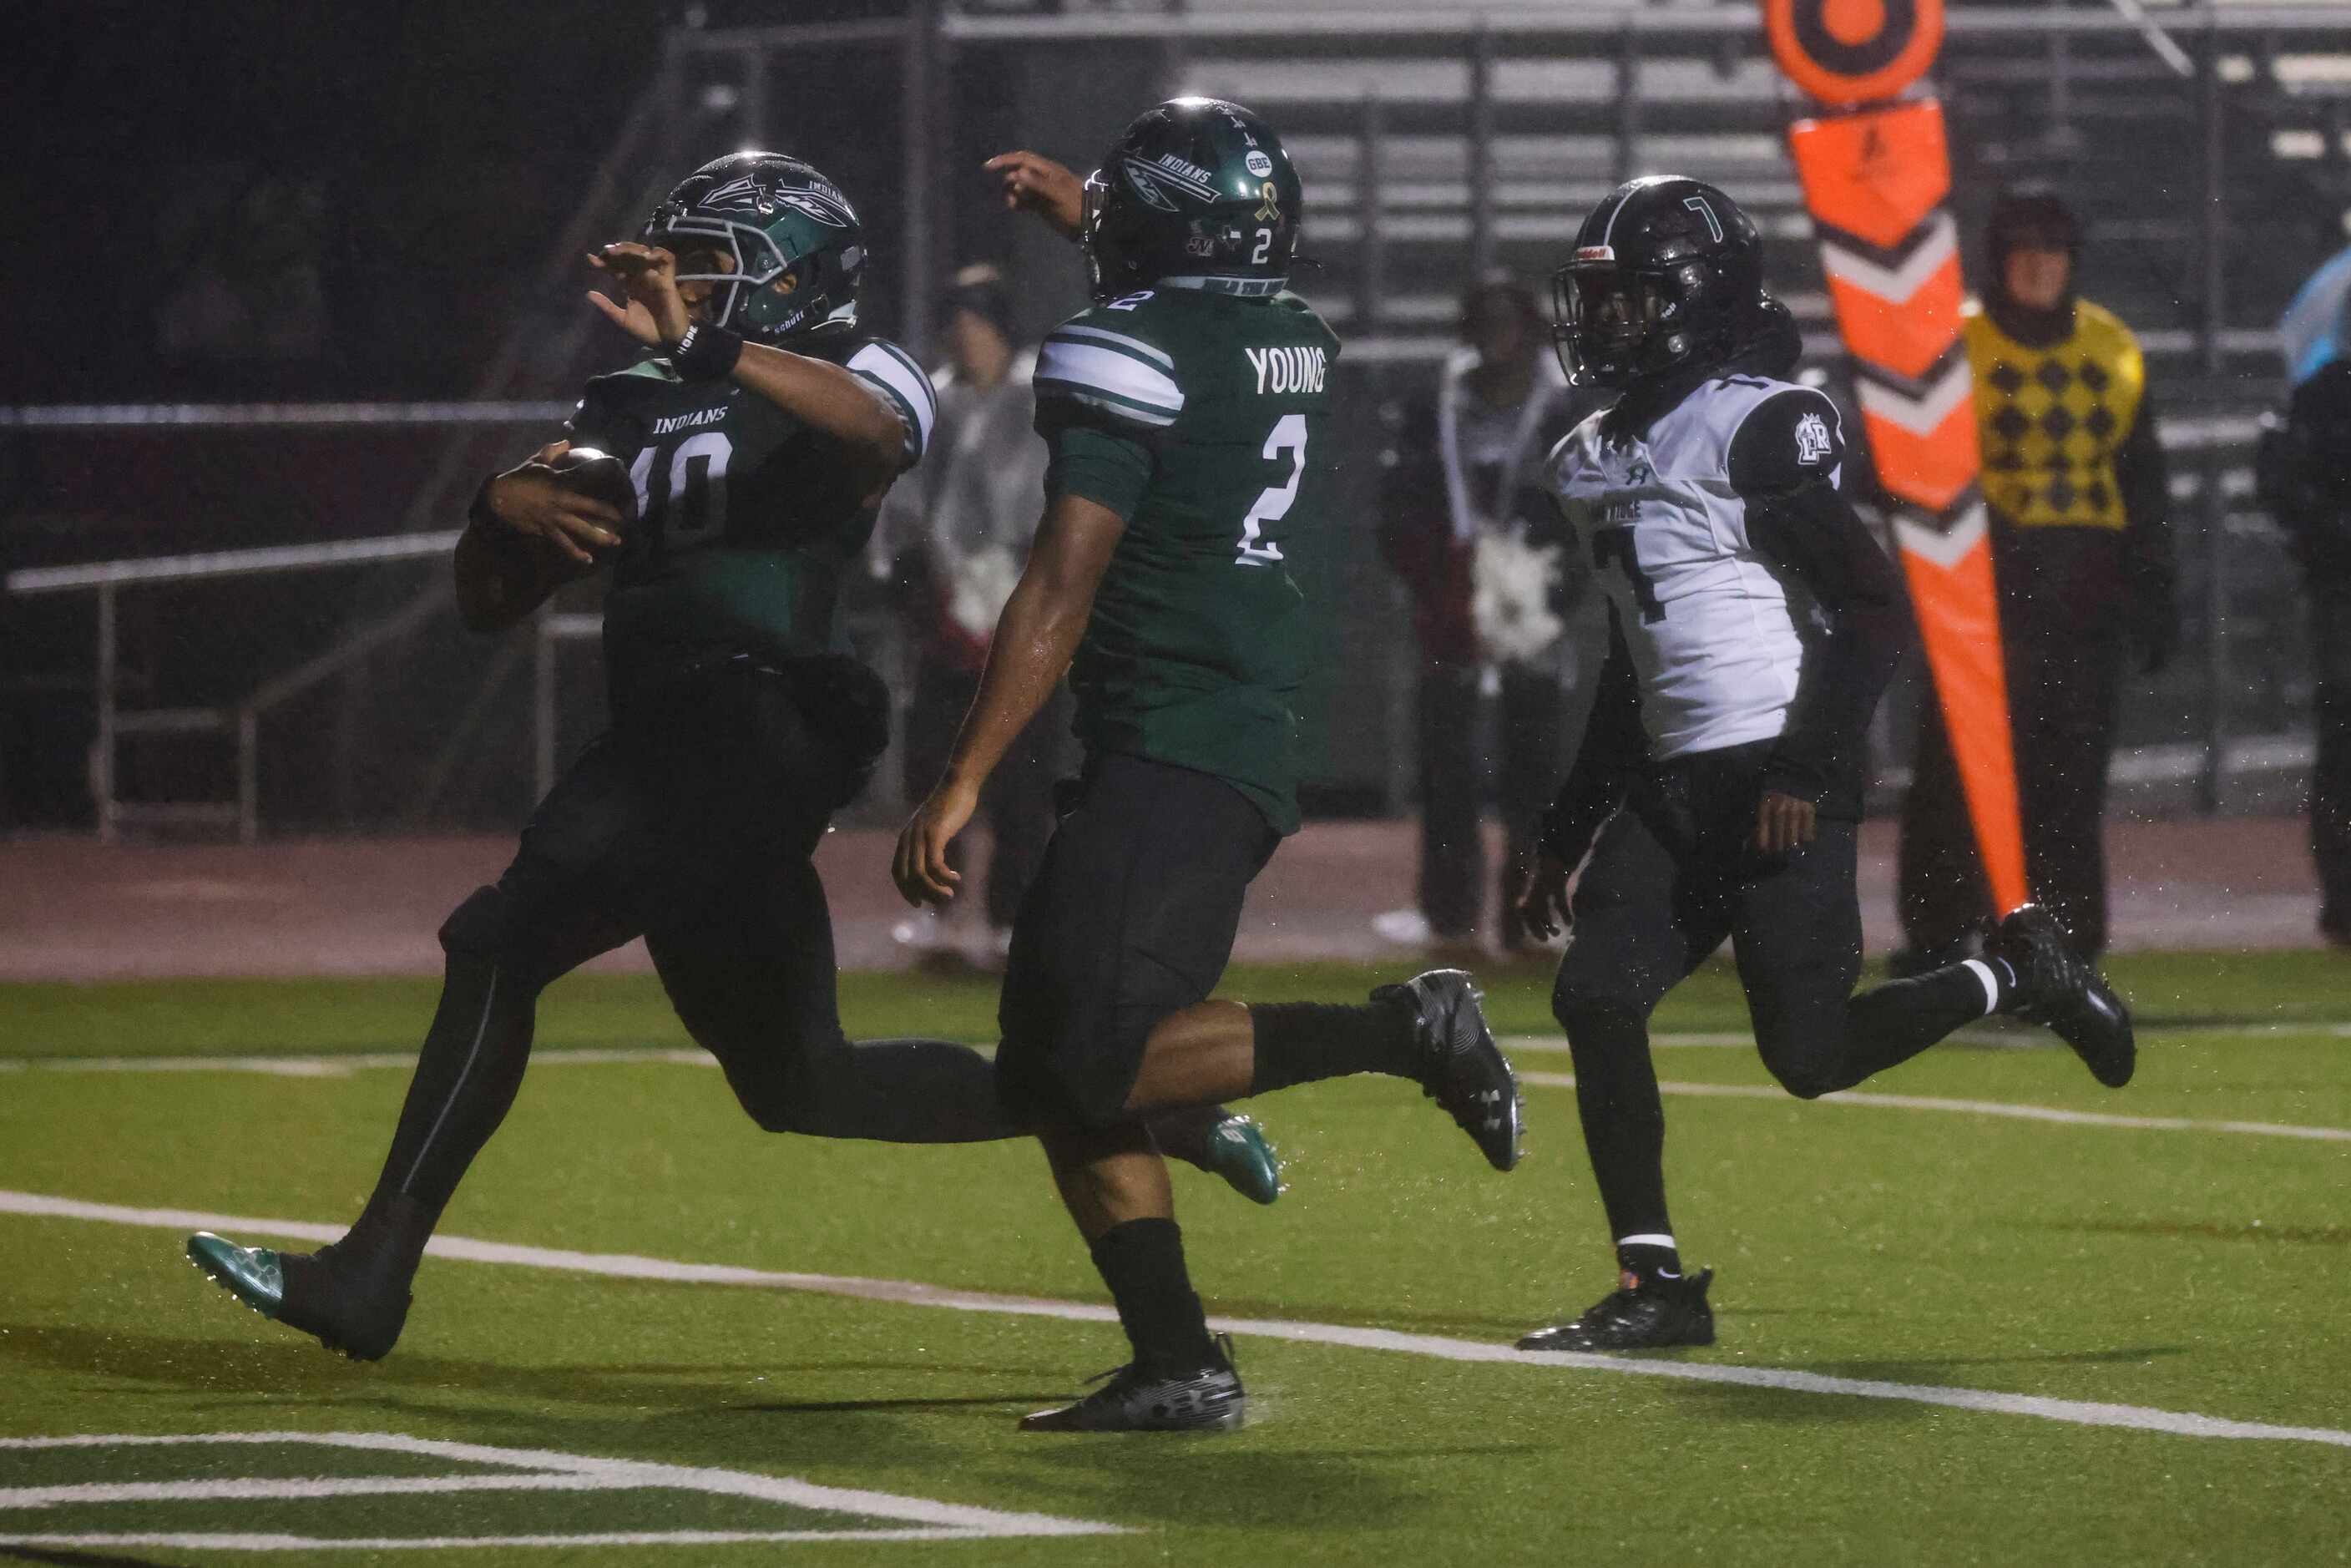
x=1187, y=414
x=741, y=464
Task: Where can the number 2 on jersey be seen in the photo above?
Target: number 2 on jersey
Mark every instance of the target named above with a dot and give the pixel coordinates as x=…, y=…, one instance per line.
x=1272, y=505
x=1614, y=546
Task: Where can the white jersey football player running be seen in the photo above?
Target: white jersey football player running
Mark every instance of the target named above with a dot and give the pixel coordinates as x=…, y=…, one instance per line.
x=1753, y=625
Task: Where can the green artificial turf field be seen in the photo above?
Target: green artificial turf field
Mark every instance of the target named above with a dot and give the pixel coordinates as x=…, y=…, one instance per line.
x=1950, y=1333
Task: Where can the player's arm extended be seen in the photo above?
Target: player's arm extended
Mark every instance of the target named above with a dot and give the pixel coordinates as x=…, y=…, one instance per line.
x=824, y=396
x=1036, y=637
x=819, y=393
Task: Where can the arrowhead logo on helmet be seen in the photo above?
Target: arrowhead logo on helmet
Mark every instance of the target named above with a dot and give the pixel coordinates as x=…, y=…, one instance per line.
x=791, y=237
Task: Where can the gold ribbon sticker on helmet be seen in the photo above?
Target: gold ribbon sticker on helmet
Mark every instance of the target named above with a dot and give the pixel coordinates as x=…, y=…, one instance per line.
x=1845, y=52
x=1272, y=209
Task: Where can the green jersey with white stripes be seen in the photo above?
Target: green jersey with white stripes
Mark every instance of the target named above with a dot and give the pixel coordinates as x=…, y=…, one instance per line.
x=745, y=517
x=1200, y=418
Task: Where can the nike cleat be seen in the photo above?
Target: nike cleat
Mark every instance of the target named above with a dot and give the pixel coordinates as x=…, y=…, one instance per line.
x=1462, y=1069
x=1239, y=1152
x=2064, y=992
x=1645, y=1314
x=306, y=1292
x=1210, y=1399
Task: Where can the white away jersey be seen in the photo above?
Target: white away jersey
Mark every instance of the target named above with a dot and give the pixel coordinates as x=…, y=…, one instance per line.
x=1715, y=629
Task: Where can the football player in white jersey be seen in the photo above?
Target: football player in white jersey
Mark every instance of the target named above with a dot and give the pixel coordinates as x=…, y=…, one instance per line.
x=1754, y=623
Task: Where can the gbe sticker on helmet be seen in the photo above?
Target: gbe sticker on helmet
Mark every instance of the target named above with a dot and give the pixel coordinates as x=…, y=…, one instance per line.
x=1259, y=164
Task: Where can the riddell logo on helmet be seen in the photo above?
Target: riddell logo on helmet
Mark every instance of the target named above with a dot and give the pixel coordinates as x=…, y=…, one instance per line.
x=1596, y=253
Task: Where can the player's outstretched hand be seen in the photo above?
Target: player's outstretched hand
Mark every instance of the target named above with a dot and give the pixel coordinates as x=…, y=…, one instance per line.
x=1782, y=822
x=535, y=501
x=920, y=868
x=1034, y=182
x=1542, y=907
x=656, y=313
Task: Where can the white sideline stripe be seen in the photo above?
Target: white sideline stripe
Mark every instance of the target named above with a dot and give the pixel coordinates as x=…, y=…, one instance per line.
x=2136, y=1417
x=446, y=1543
x=594, y=1473
x=1978, y=1108
x=252, y=1489
x=341, y=1066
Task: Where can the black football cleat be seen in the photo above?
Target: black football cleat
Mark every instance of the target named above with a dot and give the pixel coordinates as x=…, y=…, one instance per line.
x=1461, y=1067
x=307, y=1291
x=1649, y=1314
x=2064, y=992
x=1207, y=1399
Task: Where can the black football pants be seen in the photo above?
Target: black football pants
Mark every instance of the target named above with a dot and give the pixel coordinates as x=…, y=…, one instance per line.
x=691, y=824
x=1672, y=876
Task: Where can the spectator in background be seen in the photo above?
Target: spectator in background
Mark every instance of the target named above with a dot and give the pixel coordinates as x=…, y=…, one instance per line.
x=2081, y=539
x=954, y=539
x=1467, y=525
x=2305, y=473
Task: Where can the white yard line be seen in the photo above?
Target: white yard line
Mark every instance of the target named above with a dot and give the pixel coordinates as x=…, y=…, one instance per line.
x=528, y=1469
x=1978, y=1108
x=340, y=1066
x=2087, y=1413
x=333, y=1066
x=343, y=1064
x=236, y=1543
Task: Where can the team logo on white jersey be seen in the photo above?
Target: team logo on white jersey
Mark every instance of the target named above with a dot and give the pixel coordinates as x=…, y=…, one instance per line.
x=1811, y=439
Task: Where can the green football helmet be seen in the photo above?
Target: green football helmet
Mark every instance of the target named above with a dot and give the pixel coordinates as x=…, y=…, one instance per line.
x=1198, y=194
x=779, y=219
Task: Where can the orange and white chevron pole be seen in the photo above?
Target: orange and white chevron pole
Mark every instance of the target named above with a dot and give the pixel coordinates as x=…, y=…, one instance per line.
x=1876, y=173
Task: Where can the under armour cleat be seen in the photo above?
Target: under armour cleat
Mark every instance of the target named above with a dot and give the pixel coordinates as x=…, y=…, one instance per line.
x=306, y=1292
x=1655, y=1314
x=2064, y=992
x=1238, y=1151
x=1462, y=1069
x=1210, y=1399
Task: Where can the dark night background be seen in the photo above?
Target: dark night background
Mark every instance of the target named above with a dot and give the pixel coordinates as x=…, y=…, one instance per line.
x=265, y=201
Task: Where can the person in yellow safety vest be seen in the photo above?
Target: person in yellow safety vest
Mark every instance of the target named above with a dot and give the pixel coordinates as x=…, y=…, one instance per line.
x=2074, y=480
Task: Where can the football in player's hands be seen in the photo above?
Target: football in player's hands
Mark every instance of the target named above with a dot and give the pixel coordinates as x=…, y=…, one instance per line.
x=600, y=477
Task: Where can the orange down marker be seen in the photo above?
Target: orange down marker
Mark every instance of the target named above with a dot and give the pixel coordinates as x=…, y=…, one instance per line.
x=1875, y=179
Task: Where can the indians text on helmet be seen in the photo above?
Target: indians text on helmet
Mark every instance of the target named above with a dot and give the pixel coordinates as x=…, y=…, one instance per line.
x=1189, y=178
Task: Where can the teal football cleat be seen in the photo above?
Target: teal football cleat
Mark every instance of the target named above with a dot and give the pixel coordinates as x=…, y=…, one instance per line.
x=1238, y=1151
x=307, y=1292
x=254, y=1275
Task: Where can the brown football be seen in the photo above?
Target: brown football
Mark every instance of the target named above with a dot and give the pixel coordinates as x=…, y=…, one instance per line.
x=600, y=477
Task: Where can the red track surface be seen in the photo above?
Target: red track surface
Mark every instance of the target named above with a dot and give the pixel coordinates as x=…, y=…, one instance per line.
x=76, y=910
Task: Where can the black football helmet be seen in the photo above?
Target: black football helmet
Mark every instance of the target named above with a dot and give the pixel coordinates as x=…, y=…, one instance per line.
x=795, y=240
x=1197, y=190
x=1668, y=273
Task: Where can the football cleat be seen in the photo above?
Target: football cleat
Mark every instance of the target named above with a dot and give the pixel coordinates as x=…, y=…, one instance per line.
x=1208, y=1399
x=1239, y=1152
x=1462, y=1069
x=305, y=1291
x=1646, y=1314
x=2061, y=990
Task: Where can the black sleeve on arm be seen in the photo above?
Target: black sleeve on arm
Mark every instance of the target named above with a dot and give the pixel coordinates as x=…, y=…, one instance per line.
x=2145, y=480
x=1613, y=748
x=1784, y=463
